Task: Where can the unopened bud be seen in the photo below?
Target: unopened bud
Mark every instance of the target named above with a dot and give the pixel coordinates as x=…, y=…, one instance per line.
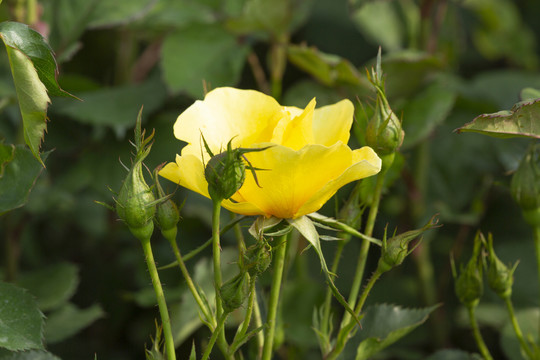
x=525, y=186
x=384, y=132
x=257, y=258
x=136, y=202
x=500, y=277
x=469, y=286
x=396, y=249
x=167, y=214
x=234, y=292
x=225, y=172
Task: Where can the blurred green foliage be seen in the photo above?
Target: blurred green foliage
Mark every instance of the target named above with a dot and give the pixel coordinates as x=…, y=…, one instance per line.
x=446, y=63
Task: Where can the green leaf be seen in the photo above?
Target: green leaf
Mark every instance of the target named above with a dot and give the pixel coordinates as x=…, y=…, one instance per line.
x=6, y=156
x=52, y=286
x=197, y=54
x=34, y=74
x=427, y=110
x=115, y=107
x=18, y=176
x=453, y=354
x=331, y=70
x=193, y=354
x=521, y=121
x=306, y=227
x=27, y=355
x=21, y=322
x=110, y=13
x=384, y=324
x=69, y=320
x=380, y=22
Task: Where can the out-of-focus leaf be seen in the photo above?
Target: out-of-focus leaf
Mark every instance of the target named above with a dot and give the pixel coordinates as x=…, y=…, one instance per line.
x=453, y=354
x=34, y=74
x=380, y=22
x=529, y=94
x=271, y=17
x=27, y=355
x=18, y=177
x=109, y=13
x=115, y=107
x=301, y=93
x=407, y=71
x=501, y=87
x=528, y=322
x=6, y=155
x=502, y=33
x=52, y=286
x=198, y=54
x=174, y=13
x=382, y=325
x=423, y=113
x=69, y=320
x=21, y=322
x=522, y=120
x=331, y=70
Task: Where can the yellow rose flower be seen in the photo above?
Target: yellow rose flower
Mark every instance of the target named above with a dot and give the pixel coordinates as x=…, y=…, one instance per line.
x=309, y=159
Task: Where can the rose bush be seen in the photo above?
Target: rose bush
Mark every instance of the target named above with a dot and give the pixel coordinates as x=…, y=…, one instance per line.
x=308, y=161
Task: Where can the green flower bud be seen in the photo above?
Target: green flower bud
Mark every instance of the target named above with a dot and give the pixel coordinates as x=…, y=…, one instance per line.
x=257, y=258
x=500, y=277
x=469, y=286
x=396, y=249
x=384, y=132
x=136, y=202
x=167, y=214
x=234, y=292
x=225, y=172
x=525, y=185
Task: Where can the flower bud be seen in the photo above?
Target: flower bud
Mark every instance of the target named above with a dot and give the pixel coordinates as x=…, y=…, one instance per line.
x=136, y=202
x=525, y=185
x=257, y=258
x=384, y=132
x=234, y=292
x=225, y=174
x=500, y=277
x=469, y=286
x=167, y=214
x=396, y=249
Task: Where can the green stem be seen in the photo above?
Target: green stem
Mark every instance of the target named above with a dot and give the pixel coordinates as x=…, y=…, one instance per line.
x=257, y=319
x=536, y=231
x=477, y=335
x=344, y=332
x=160, y=296
x=278, y=62
x=31, y=12
x=215, y=335
x=364, y=249
x=247, y=319
x=517, y=329
x=279, y=264
x=216, y=250
x=202, y=305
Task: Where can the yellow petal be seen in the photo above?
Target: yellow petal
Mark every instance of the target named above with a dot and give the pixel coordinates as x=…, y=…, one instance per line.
x=333, y=123
x=247, y=116
x=296, y=178
x=188, y=171
x=365, y=162
x=295, y=131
